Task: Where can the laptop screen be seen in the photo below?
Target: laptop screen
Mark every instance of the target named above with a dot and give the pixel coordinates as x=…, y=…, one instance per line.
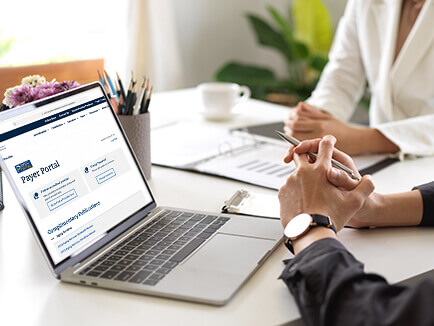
x=73, y=169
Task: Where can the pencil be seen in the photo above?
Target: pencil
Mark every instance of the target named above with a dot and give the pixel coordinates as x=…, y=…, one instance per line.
x=121, y=86
x=148, y=100
x=101, y=80
x=138, y=106
x=112, y=88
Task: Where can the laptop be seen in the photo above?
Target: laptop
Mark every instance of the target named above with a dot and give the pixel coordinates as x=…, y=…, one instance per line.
x=95, y=218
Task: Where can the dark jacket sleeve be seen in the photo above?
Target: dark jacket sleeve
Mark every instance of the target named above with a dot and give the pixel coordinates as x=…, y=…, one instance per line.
x=331, y=288
x=427, y=191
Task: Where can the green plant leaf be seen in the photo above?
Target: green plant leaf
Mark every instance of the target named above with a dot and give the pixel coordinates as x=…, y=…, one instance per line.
x=318, y=62
x=287, y=33
x=259, y=79
x=267, y=36
x=312, y=25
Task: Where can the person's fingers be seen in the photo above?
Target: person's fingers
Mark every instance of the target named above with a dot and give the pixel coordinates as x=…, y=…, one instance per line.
x=325, y=151
x=365, y=187
x=300, y=160
x=302, y=125
x=310, y=145
x=304, y=135
x=307, y=110
x=341, y=179
x=346, y=160
x=289, y=154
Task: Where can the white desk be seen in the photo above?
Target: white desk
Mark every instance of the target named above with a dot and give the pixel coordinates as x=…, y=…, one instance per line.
x=30, y=295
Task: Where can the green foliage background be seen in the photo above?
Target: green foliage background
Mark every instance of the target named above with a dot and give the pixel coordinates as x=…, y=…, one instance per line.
x=303, y=38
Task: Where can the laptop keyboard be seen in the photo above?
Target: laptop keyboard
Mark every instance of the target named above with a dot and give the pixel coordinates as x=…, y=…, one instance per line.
x=150, y=253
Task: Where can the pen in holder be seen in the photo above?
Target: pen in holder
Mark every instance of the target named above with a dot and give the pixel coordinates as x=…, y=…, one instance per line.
x=138, y=130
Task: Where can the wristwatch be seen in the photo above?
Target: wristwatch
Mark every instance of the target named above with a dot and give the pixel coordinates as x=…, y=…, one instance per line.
x=301, y=224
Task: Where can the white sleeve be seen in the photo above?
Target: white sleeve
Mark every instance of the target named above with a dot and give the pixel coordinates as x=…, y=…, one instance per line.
x=342, y=82
x=412, y=136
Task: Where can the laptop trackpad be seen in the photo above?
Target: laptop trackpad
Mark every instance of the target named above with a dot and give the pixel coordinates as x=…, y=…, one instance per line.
x=230, y=254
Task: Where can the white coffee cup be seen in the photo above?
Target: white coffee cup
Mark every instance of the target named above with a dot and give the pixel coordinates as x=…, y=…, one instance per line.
x=219, y=100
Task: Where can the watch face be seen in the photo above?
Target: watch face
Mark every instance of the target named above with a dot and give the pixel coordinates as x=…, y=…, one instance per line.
x=298, y=225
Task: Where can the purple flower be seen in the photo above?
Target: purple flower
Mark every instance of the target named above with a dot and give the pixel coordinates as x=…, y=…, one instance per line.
x=67, y=85
x=26, y=93
x=21, y=95
x=44, y=90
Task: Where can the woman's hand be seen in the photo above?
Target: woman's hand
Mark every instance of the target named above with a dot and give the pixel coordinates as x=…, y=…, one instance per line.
x=308, y=122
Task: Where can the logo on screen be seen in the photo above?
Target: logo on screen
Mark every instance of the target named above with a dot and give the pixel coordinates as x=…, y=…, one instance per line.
x=23, y=166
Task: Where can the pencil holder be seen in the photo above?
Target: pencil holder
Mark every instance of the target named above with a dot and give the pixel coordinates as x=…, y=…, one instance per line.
x=138, y=130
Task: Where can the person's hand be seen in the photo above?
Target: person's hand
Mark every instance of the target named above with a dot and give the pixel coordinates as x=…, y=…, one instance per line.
x=308, y=189
x=308, y=122
x=367, y=214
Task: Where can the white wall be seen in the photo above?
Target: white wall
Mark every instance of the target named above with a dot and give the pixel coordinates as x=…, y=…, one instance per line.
x=213, y=32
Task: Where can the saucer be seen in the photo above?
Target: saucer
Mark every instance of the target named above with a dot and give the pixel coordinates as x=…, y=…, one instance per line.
x=220, y=115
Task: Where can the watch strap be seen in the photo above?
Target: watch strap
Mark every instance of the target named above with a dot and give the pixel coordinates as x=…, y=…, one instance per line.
x=317, y=220
x=322, y=220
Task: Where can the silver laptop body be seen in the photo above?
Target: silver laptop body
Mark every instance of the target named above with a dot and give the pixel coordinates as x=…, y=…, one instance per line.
x=86, y=198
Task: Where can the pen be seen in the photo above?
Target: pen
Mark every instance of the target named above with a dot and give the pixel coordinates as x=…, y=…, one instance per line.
x=295, y=142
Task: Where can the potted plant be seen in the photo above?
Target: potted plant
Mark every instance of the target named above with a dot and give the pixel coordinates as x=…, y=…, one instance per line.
x=303, y=39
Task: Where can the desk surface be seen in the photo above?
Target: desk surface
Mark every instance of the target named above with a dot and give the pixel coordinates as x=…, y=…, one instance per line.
x=30, y=295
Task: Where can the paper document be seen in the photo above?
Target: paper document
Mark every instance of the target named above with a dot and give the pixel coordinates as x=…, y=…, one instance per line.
x=249, y=203
x=262, y=165
x=184, y=144
x=217, y=151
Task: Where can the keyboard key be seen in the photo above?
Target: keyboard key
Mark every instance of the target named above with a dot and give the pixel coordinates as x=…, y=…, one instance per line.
x=209, y=219
x=169, y=252
x=145, y=246
x=133, y=268
x=138, y=252
x=139, y=263
x=203, y=236
x=163, y=257
x=114, y=257
x=146, y=257
x=157, y=262
x=140, y=277
x=100, y=268
x=153, y=252
x=150, y=282
x=131, y=257
x=84, y=271
x=159, y=248
x=109, y=274
x=187, y=250
x=170, y=264
x=125, y=262
x=197, y=217
x=163, y=270
x=118, y=267
x=93, y=273
x=124, y=276
x=175, y=247
x=156, y=276
x=150, y=267
x=108, y=263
